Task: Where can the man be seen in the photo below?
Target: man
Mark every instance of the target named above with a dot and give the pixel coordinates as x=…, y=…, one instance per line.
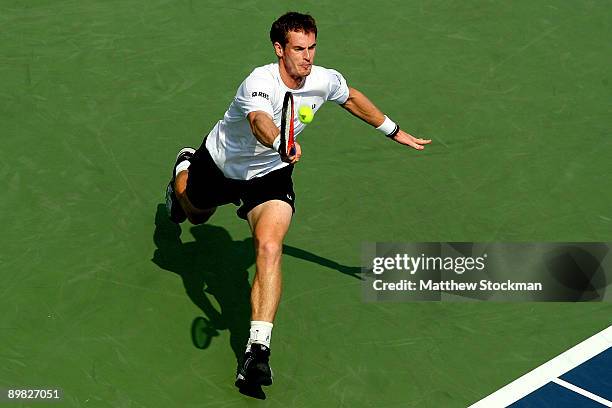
x=239, y=162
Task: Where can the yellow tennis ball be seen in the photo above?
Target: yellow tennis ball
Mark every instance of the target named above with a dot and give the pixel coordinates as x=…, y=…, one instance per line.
x=305, y=114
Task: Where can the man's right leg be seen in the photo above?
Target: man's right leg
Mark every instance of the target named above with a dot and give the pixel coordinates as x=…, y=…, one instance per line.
x=269, y=223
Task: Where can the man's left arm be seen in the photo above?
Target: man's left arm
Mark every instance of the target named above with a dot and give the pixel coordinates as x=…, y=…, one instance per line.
x=359, y=105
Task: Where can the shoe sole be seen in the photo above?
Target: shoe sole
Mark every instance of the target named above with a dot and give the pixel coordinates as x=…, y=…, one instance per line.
x=170, y=199
x=242, y=382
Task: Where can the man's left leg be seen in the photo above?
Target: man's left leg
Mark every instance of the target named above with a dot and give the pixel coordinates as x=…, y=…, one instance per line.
x=269, y=223
x=173, y=206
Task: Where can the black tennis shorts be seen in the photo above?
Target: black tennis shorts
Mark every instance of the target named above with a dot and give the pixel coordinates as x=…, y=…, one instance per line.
x=207, y=186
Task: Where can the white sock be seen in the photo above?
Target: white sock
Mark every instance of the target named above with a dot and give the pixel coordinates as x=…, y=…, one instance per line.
x=261, y=332
x=184, y=165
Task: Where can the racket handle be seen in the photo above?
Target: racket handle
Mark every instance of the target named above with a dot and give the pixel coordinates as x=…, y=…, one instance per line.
x=292, y=151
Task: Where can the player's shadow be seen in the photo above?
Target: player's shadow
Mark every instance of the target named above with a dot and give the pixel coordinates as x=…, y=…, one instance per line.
x=214, y=266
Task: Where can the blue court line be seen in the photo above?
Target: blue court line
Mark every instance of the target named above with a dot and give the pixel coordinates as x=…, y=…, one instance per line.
x=579, y=377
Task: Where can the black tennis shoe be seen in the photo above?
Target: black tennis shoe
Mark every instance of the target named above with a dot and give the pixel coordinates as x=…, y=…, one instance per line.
x=255, y=368
x=175, y=211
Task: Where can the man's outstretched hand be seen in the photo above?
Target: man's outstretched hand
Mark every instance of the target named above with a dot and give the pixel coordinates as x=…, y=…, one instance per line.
x=409, y=140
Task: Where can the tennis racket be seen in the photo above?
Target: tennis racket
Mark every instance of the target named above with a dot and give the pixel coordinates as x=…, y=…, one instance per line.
x=287, y=145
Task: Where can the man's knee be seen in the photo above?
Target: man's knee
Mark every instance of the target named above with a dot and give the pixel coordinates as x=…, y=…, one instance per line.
x=269, y=248
x=200, y=217
x=195, y=215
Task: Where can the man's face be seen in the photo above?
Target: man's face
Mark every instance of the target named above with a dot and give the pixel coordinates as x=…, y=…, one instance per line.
x=298, y=54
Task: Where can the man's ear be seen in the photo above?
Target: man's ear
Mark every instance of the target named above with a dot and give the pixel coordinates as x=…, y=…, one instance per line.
x=278, y=49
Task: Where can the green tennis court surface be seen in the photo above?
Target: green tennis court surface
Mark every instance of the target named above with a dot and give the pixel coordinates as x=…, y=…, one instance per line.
x=99, y=292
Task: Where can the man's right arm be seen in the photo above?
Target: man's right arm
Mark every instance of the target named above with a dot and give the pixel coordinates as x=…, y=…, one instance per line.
x=265, y=131
x=263, y=127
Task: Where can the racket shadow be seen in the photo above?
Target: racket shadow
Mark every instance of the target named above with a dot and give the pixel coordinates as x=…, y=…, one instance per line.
x=352, y=271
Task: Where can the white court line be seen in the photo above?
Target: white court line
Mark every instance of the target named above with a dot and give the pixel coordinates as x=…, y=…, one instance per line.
x=548, y=371
x=581, y=391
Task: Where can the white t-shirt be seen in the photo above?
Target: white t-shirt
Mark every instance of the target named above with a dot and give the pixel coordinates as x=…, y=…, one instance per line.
x=231, y=143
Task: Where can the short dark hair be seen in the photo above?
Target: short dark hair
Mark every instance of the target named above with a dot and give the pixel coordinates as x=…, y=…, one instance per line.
x=291, y=21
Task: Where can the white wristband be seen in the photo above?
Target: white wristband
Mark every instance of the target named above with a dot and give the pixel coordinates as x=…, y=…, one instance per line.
x=276, y=143
x=388, y=127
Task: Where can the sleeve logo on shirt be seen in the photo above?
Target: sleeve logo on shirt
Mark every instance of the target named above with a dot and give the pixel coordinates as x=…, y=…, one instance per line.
x=262, y=94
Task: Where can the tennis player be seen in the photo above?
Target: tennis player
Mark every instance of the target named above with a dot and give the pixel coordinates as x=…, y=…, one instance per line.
x=239, y=163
